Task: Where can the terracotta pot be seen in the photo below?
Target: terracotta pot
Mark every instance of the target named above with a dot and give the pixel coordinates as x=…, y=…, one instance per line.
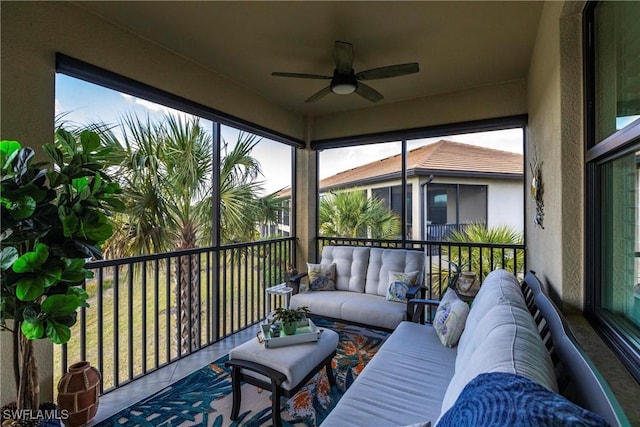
x=78, y=392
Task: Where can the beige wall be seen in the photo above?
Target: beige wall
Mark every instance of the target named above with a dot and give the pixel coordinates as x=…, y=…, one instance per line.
x=500, y=100
x=555, y=139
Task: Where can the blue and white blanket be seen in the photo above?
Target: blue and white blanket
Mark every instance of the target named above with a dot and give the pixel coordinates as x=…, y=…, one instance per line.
x=502, y=399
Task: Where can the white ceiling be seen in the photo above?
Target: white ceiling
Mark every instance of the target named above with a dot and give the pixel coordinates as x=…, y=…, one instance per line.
x=458, y=45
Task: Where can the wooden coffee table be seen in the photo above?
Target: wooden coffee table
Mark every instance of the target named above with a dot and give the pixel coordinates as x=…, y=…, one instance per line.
x=283, y=370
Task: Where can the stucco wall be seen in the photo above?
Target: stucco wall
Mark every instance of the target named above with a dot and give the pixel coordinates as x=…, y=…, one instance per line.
x=554, y=138
x=499, y=100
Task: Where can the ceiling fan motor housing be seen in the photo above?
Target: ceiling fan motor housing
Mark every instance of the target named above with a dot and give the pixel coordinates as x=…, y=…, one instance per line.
x=343, y=84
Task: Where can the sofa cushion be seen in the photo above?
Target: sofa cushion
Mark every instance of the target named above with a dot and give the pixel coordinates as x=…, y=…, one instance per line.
x=403, y=384
x=382, y=261
x=506, y=340
x=501, y=399
x=322, y=277
x=327, y=304
x=351, y=266
x=398, y=285
x=499, y=287
x=373, y=310
x=450, y=318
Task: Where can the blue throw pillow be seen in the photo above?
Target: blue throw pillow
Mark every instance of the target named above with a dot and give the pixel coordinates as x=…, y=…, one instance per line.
x=502, y=399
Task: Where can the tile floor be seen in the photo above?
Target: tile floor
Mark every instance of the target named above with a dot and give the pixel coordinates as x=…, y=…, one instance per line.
x=115, y=401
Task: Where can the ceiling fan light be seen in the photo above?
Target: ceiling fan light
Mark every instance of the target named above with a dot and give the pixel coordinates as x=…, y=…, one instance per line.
x=343, y=88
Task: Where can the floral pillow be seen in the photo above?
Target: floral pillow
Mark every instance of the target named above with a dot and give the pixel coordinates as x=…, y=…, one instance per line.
x=399, y=284
x=322, y=277
x=450, y=318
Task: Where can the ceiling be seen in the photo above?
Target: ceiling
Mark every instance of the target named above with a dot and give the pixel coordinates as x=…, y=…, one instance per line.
x=459, y=45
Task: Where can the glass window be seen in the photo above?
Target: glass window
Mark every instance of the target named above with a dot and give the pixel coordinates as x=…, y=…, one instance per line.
x=617, y=66
x=620, y=247
x=613, y=180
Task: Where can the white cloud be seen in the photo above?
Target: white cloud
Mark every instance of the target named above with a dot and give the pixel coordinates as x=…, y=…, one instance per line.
x=153, y=107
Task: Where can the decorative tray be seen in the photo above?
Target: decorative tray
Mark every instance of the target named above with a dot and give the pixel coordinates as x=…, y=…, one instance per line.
x=307, y=331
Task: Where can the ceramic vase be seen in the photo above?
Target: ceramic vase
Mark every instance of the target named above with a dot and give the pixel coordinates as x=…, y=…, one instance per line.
x=78, y=392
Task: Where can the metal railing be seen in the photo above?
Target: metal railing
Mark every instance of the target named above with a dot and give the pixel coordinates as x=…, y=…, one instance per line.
x=148, y=311
x=443, y=258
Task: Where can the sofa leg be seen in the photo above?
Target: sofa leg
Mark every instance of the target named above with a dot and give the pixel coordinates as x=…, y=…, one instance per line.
x=235, y=387
x=330, y=376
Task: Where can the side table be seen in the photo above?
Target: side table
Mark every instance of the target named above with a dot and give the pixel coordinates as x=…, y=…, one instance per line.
x=281, y=289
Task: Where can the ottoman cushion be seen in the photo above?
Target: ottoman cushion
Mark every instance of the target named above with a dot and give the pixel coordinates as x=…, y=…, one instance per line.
x=294, y=361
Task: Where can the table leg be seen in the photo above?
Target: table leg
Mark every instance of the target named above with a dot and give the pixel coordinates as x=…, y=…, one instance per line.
x=330, y=376
x=235, y=388
x=275, y=405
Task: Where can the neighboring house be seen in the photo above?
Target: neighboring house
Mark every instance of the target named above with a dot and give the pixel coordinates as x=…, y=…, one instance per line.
x=453, y=183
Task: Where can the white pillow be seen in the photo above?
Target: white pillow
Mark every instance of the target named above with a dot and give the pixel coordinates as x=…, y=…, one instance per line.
x=450, y=318
x=399, y=284
x=322, y=277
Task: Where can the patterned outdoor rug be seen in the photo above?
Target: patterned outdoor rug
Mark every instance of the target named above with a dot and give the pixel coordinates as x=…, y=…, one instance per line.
x=204, y=397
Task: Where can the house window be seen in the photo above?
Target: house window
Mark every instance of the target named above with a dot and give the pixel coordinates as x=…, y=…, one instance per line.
x=450, y=207
x=613, y=178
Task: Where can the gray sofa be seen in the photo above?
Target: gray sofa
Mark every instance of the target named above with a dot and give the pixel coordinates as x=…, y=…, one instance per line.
x=511, y=328
x=362, y=279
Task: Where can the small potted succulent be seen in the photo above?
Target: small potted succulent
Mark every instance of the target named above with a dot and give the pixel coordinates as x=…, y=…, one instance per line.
x=290, y=318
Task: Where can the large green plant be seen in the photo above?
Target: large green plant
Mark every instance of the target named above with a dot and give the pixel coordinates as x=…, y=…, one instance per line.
x=54, y=218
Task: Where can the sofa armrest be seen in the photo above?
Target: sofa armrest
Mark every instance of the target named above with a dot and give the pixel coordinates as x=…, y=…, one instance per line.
x=294, y=282
x=417, y=291
x=416, y=309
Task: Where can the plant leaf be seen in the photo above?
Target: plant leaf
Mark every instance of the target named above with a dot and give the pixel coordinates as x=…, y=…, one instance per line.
x=31, y=261
x=7, y=148
x=33, y=329
x=23, y=207
x=90, y=141
x=29, y=288
x=60, y=305
x=8, y=256
x=57, y=332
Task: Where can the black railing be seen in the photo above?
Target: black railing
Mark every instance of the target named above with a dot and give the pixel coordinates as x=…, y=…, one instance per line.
x=444, y=258
x=148, y=311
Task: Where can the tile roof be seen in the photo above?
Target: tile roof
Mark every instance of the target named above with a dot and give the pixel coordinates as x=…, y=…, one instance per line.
x=444, y=156
x=441, y=156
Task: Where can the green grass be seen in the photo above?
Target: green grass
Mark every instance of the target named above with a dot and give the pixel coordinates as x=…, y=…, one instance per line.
x=235, y=299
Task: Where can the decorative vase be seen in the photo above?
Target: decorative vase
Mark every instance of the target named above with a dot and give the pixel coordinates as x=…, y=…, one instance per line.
x=289, y=328
x=78, y=392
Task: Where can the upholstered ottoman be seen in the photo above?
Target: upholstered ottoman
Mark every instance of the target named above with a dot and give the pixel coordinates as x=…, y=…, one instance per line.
x=283, y=370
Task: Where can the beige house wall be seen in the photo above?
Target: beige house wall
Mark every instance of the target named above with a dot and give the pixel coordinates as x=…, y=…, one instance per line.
x=555, y=139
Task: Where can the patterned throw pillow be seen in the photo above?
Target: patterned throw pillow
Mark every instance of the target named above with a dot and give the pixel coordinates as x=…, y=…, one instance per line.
x=450, y=318
x=399, y=284
x=322, y=277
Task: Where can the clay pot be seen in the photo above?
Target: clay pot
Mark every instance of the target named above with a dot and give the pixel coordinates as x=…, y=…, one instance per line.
x=78, y=392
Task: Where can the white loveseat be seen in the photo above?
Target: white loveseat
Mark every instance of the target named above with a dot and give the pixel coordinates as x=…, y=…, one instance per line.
x=362, y=280
x=414, y=379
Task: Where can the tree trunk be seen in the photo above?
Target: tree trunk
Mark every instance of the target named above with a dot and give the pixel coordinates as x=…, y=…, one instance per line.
x=29, y=387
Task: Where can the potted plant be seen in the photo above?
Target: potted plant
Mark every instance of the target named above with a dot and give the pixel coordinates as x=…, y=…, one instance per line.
x=54, y=218
x=290, y=318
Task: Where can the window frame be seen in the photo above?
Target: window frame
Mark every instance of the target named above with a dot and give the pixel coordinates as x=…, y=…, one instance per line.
x=620, y=143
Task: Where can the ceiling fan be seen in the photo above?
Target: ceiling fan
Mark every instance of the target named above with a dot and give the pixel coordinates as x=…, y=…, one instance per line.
x=345, y=81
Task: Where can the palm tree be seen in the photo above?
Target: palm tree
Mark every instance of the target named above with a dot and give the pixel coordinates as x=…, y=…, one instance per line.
x=167, y=181
x=353, y=214
x=467, y=255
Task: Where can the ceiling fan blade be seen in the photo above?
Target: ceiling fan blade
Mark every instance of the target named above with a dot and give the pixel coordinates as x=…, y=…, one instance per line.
x=368, y=92
x=319, y=94
x=390, y=71
x=301, y=76
x=343, y=54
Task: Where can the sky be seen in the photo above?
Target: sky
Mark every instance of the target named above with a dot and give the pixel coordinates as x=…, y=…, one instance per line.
x=82, y=103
